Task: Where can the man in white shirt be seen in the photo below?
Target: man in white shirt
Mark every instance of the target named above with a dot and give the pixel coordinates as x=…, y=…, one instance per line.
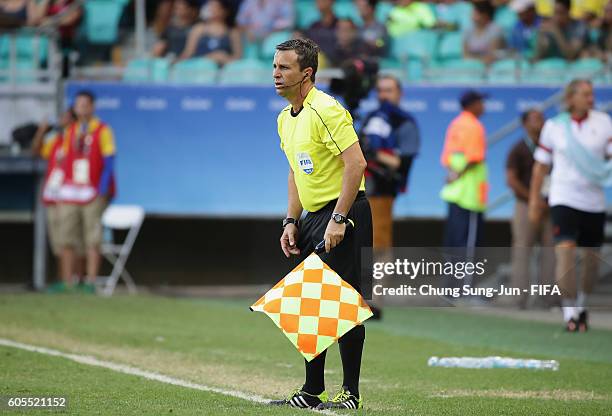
x=576, y=196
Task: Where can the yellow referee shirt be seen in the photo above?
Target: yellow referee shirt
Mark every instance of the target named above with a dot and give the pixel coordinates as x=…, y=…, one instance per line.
x=312, y=141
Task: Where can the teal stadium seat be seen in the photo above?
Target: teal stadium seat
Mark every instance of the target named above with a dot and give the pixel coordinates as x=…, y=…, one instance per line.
x=450, y=46
x=505, y=18
x=306, y=13
x=28, y=46
x=246, y=71
x=194, y=71
x=102, y=20
x=250, y=50
x=31, y=53
x=419, y=45
x=346, y=10
x=463, y=71
x=507, y=71
x=390, y=63
x=383, y=8
x=268, y=47
x=458, y=13
x=589, y=68
x=147, y=70
x=548, y=71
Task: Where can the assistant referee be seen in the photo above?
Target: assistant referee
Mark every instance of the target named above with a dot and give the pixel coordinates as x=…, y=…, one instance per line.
x=326, y=179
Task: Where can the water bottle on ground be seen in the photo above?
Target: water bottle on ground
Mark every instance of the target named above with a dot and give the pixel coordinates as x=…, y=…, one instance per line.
x=492, y=362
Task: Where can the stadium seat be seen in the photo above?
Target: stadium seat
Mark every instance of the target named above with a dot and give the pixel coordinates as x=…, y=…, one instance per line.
x=347, y=10
x=390, y=63
x=547, y=71
x=590, y=68
x=137, y=70
x=450, y=46
x=250, y=50
x=268, y=47
x=420, y=44
x=460, y=13
x=24, y=71
x=102, y=20
x=122, y=218
x=246, y=71
x=383, y=8
x=457, y=71
x=147, y=70
x=414, y=72
x=505, y=18
x=507, y=71
x=306, y=13
x=194, y=71
x=28, y=46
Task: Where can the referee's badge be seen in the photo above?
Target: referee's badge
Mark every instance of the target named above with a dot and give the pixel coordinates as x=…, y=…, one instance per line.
x=305, y=163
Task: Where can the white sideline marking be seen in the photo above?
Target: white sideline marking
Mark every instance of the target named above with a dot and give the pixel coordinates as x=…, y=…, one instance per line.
x=149, y=375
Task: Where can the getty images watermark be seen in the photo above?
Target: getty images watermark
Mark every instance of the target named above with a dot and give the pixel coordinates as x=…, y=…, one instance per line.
x=434, y=276
x=459, y=270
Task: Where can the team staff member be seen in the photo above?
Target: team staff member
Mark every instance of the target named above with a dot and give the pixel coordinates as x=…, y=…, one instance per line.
x=464, y=158
x=391, y=140
x=576, y=143
x=88, y=186
x=47, y=144
x=519, y=166
x=326, y=179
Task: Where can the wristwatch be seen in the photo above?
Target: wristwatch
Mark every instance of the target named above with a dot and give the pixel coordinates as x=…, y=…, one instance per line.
x=289, y=220
x=339, y=218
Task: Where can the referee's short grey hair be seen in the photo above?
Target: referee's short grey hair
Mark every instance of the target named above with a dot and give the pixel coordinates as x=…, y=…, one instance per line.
x=571, y=88
x=307, y=52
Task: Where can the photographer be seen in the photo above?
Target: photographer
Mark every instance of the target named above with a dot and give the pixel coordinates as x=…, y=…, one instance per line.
x=390, y=140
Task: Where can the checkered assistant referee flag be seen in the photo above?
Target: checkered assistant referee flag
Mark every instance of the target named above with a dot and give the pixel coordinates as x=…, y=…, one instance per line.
x=313, y=306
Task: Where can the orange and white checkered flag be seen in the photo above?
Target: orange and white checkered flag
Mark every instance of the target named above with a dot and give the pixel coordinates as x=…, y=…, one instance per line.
x=313, y=306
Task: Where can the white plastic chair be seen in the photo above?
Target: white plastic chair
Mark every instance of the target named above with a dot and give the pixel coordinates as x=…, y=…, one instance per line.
x=120, y=217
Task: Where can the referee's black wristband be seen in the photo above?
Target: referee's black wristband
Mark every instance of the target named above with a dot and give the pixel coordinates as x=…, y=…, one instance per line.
x=290, y=220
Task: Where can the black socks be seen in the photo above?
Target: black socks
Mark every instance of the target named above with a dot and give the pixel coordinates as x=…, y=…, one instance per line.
x=351, y=348
x=315, y=380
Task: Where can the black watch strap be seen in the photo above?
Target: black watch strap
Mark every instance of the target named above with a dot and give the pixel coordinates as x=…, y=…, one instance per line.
x=289, y=220
x=339, y=218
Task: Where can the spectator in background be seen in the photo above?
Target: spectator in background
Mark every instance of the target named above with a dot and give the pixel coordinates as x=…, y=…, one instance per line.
x=68, y=23
x=601, y=46
x=525, y=235
x=258, y=18
x=174, y=38
x=16, y=13
x=87, y=188
x=323, y=31
x=577, y=146
x=348, y=43
x=372, y=33
x=390, y=139
x=408, y=16
x=214, y=38
x=47, y=11
x=466, y=186
x=525, y=31
x=48, y=145
x=484, y=40
x=561, y=36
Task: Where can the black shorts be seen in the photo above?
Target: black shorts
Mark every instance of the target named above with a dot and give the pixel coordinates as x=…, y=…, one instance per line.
x=585, y=228
x=345, y=258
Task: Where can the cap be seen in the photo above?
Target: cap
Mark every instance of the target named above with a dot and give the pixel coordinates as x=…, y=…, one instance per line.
x=471, y=96
x=519, y=6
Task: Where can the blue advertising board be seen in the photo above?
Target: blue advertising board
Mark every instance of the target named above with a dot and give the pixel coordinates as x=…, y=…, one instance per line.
x=214, y=151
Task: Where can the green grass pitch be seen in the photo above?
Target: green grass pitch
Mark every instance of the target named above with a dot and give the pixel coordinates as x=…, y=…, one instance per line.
x=221, y=344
